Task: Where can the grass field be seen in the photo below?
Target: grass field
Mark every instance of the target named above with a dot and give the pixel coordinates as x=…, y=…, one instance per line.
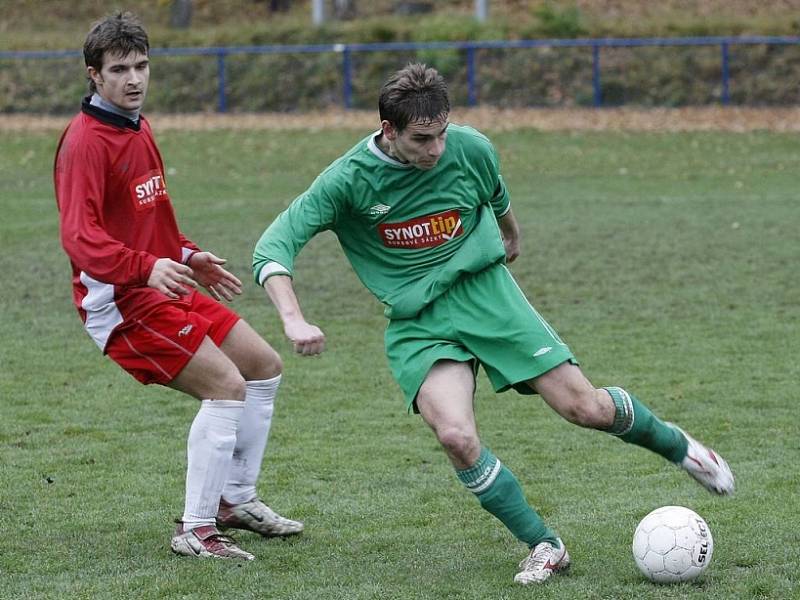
x=668, y=262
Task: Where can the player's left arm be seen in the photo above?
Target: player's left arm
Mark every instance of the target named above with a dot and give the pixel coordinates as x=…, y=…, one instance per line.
x=501, y=205
x=509, y=228
x=207, y=271
x=188, y=248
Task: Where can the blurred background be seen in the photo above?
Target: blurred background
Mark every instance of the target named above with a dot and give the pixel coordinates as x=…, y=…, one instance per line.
x=244, y=56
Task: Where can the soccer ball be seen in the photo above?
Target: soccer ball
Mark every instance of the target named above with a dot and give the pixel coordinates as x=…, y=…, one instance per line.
x=672, y=544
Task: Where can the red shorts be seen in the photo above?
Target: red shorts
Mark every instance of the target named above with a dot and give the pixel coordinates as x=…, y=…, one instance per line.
x=156, y=347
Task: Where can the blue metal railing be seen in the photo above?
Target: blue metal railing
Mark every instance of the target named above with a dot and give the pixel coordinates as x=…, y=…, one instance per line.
x=469, y=48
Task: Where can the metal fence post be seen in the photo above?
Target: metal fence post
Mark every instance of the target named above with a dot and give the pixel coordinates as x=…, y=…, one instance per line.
x=482, y=10
x=472, y=94
x=597, y=92
x=347, y=74
x=726, y=97
x=222, y=100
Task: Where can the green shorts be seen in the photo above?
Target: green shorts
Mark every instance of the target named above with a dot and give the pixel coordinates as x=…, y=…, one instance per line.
x=483, y=317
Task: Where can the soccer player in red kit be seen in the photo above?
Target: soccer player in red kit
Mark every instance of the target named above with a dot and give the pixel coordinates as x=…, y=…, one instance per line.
x=134, y=278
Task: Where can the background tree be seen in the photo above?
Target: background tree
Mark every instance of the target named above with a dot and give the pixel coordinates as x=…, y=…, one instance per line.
x=180, y=14
x=344, y=9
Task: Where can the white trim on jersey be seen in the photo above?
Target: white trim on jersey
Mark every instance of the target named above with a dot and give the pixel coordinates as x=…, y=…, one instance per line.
x=376, y=150
x=505, y=212
x=102, y=314
x=271, y=268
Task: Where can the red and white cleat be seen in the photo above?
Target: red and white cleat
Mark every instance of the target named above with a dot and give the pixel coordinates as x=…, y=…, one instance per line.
x=707, y=467
x=206, y=541
x=543, y=561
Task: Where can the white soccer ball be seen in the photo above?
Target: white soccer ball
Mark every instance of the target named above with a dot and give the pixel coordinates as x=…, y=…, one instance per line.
x=672, y=544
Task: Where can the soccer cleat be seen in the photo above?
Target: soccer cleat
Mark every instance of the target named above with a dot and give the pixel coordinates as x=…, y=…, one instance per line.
x=707, y=467
x=256, y=516
x=543, y=561
x=206, y=541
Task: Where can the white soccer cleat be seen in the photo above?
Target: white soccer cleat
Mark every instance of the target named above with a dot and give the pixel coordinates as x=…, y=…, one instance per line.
x=543, y=561
x=707, y=467
x=206, y=542
x=256, y=516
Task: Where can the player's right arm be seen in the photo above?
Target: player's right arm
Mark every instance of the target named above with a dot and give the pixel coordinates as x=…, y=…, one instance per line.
x=306, y=338
x=314, y=211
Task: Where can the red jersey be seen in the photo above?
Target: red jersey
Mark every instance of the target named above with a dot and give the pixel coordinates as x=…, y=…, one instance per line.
x=116, y=218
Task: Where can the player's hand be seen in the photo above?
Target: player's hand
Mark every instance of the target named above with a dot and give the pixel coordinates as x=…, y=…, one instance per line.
x=307, y=339
x=512, y=248
x=171, y=278
x=209, y=273
x=510, y=231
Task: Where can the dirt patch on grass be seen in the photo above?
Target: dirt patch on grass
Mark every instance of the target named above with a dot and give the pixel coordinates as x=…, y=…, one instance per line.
x=489, y=119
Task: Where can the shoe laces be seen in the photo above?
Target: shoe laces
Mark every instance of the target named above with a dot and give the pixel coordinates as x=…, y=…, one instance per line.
x=216, y=539
x=220, y=540
x=538, y=557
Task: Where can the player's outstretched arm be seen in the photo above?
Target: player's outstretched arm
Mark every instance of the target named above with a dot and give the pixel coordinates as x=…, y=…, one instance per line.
x=510, y=230
x=208, y=271
x=306, y=338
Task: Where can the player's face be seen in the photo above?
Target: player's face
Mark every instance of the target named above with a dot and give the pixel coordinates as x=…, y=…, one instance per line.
x=123, y=80
x=420, y=144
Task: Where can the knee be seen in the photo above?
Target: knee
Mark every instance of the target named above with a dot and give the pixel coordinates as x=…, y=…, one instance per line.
x=459, y=442
x=585, y=409
x=265, y=363
x=231, y=386
x=271, y=363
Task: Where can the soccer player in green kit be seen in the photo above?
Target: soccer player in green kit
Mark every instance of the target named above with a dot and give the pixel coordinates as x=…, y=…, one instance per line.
x=424, y=217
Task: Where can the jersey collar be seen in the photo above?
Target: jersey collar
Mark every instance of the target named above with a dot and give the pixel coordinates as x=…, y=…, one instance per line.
x=376, y=150
x=108, y=117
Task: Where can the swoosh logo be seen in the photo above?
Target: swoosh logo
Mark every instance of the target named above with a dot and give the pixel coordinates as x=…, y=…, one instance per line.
x=550, y=566
x=256, y=517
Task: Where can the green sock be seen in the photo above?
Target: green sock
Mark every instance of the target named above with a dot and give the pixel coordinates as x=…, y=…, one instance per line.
x=635, y=424
x=499, y=492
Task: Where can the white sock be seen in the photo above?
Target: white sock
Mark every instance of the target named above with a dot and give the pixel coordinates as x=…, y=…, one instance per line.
x=209, y=451
x=251, y=440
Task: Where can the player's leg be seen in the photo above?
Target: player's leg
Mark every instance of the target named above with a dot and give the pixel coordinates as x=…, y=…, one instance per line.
x=617, y=411
x=531, y=357
x=438, y=380
x=211, y=377
x=252, y=355
x=169, y=346
x=567, y=391
x=445, y=401
x=261, y=368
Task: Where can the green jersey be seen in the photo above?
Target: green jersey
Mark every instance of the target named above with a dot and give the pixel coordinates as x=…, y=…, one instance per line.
x=408, y=233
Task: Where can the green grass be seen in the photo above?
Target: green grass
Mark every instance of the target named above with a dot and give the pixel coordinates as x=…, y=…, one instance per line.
x=667, y=261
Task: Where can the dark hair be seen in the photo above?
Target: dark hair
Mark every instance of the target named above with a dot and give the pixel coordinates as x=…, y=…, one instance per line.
x=414, y=93
x=120, y=34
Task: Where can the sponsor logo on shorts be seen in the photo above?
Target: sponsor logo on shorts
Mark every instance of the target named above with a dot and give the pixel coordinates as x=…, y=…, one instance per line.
x=542, y=351
x=148, y=189
x=186, y=330
x=422, y=232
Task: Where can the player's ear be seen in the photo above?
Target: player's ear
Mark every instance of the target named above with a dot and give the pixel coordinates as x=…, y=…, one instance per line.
x=94, y=75
x=389, y=130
